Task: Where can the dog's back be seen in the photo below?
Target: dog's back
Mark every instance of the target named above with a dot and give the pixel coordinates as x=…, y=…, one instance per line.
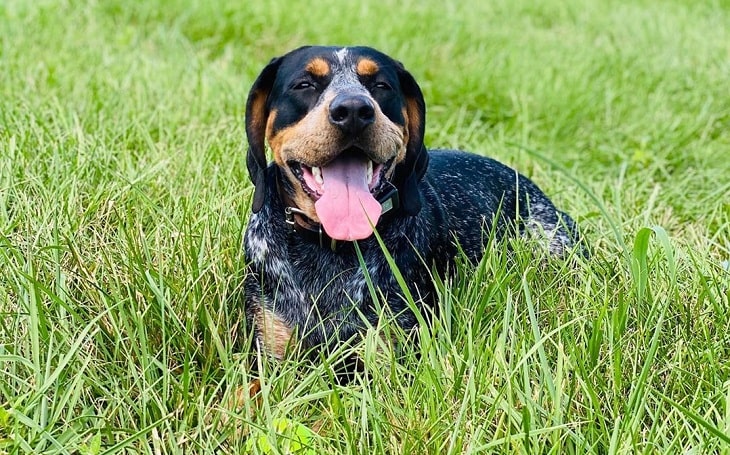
x=479, y=194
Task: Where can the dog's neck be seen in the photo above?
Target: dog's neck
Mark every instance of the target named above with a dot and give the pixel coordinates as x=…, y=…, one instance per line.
x=311, y=230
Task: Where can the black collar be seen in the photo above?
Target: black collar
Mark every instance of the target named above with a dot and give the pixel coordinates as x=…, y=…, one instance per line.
x=312, y=231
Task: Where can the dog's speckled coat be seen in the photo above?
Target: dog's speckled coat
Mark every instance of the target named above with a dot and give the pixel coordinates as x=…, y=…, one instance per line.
x=300, y=292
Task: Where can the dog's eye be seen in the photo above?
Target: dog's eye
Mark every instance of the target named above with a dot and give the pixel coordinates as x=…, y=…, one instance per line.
x=303, y=85
x=382, y=86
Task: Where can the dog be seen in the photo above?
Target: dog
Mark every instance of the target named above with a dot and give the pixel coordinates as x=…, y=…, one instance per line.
x=351, y=177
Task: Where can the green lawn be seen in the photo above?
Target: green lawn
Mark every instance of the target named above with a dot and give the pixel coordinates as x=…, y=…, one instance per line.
x=124, y=196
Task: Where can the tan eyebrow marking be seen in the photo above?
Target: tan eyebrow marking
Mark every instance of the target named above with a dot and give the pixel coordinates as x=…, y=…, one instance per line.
x=366, y=67
x=318, y=67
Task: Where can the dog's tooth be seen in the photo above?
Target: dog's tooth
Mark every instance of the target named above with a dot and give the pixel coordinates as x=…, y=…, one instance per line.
x=370, y=171
x=317, y=173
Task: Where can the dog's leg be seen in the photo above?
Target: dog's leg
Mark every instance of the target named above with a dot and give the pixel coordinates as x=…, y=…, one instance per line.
x=274, y=335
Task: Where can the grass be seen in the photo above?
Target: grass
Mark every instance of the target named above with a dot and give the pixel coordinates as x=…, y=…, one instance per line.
x=124, y=196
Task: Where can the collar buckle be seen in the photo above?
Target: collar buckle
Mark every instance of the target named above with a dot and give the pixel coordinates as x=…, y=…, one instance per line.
x=289, y=213
x=314, y=230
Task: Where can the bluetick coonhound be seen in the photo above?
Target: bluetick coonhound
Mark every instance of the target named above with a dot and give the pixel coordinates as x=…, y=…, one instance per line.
x=345, y=127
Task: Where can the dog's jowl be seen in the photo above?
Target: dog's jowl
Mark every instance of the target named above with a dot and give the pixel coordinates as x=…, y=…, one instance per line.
x=345, y=127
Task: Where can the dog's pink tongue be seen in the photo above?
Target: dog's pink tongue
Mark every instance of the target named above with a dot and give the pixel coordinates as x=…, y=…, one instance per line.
x=346, y=208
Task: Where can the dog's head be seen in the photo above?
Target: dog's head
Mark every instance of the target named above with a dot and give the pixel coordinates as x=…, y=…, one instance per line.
x=342, y=123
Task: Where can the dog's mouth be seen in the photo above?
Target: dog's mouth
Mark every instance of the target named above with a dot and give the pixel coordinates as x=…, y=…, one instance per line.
x=344, y=192
x=312, y=179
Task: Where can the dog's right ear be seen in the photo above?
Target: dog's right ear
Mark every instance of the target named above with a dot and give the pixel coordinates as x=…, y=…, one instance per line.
x=257, y=113
x=409, y=173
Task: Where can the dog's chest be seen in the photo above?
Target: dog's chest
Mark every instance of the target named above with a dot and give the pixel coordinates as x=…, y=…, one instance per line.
x=305, y=274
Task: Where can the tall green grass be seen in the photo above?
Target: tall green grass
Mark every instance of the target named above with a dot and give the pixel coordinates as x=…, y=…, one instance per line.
x=124, y=197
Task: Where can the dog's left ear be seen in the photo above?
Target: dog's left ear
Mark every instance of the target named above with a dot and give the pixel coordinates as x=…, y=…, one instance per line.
x=409, y=173
x=257, y=113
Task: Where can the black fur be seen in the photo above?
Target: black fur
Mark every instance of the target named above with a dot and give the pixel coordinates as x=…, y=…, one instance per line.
x=450, y=197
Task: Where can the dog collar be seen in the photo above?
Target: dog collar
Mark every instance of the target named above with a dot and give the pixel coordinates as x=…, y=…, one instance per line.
x=313, y=232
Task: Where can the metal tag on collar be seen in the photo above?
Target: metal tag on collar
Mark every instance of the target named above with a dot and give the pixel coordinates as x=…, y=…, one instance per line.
x=389, y=200
x=323, y=237
x=333, y=243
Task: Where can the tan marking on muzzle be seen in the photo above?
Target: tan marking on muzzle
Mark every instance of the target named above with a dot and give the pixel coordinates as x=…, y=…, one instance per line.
x=314, y=141
x=311, y=140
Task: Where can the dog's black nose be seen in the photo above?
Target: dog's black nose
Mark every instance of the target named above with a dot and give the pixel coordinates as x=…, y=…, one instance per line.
x=352, y=113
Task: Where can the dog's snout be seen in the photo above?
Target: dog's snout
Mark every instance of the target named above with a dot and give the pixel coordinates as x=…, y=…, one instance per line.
x=352, y=113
